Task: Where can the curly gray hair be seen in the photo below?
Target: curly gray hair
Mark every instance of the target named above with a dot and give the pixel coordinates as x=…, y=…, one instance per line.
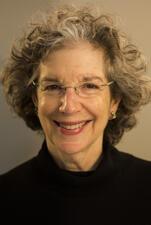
x=124, y=64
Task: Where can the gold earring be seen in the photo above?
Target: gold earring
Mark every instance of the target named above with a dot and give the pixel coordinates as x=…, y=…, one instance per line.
x=113, y=115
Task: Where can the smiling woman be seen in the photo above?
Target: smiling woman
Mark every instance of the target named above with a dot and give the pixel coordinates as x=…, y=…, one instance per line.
x=79, y=80
x=79, y=123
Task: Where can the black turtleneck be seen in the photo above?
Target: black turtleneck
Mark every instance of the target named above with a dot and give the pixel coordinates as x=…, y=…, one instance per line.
x=117, y=192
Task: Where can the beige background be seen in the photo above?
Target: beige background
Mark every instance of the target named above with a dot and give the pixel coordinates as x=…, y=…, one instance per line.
x=18, y=143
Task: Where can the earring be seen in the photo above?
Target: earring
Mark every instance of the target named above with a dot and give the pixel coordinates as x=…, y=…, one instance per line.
x=113, y=115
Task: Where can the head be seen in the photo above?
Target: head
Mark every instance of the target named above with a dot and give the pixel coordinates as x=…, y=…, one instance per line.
x=66, y=30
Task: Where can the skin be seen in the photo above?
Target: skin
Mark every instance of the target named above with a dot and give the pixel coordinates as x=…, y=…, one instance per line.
x=80, y=152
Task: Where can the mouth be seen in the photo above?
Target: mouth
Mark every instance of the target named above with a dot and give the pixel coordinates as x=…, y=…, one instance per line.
x=71, y=128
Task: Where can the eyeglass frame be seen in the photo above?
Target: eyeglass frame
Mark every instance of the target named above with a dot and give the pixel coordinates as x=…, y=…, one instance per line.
x=76, y=88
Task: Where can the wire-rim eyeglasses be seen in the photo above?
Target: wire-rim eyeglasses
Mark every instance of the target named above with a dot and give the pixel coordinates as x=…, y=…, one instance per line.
x=85, y=89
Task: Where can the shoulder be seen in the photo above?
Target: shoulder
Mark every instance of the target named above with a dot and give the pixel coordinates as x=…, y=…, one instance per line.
x=20, y=175
x=132, y=169
x=132, y=161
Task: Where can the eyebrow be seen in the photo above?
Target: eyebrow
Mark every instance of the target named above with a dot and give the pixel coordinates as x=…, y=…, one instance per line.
x=45, y=79
x=89, y=78
x=51, y=78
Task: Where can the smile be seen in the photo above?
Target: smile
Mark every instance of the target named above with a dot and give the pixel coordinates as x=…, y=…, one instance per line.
x=71, y=128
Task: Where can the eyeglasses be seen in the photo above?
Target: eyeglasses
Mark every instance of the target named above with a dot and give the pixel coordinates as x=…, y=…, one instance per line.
x=86, y=89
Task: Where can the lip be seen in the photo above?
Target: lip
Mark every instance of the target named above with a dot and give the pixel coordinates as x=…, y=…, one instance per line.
x=75, y=131
x=71, y=122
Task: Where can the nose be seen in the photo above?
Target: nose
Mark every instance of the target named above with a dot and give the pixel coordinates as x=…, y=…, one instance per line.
x=69, y=102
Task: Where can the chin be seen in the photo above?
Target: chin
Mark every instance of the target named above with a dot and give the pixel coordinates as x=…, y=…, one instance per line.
x=71, y=148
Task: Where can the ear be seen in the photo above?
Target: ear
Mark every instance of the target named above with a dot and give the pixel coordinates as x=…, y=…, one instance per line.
x=35, y=100
x=114, y=107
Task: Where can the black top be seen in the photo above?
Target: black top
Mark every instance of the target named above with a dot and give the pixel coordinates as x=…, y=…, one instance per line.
x=117, y=192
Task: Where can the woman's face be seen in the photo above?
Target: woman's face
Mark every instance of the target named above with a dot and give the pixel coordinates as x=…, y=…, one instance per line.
x=72, y=123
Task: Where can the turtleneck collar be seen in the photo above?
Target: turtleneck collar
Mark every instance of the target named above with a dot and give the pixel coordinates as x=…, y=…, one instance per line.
x=51, y=173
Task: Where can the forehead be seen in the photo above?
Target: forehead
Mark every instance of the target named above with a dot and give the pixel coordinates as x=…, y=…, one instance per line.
x=79, y=62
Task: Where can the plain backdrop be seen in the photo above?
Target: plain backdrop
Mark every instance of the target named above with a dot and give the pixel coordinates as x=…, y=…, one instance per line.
x=17, y=142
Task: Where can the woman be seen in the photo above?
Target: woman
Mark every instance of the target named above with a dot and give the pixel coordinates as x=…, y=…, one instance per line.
x=78, y=79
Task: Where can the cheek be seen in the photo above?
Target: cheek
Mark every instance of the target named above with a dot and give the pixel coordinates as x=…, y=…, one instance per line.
x=46, y=108
x=100, y=107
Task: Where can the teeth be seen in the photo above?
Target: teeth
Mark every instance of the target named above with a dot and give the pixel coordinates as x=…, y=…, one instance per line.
x=72, y=127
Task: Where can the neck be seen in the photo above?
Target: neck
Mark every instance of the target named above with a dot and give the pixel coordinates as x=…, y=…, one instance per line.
x=85, y=160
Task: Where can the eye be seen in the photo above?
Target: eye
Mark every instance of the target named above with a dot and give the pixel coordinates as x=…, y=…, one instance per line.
x=90, y=86
x=52, y=87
